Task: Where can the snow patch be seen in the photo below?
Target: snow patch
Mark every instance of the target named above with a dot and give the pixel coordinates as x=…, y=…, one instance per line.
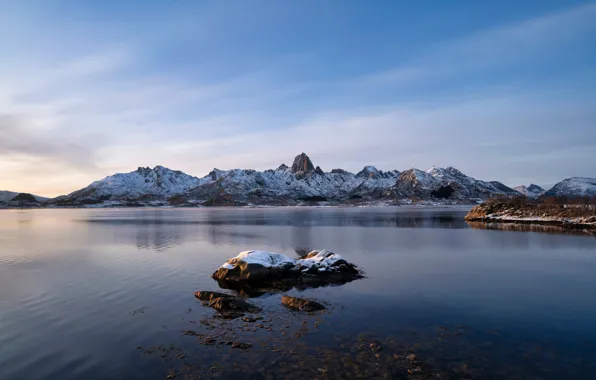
x=323, y=260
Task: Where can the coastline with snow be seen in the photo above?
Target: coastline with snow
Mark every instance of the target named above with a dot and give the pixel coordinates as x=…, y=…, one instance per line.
x=577, y=216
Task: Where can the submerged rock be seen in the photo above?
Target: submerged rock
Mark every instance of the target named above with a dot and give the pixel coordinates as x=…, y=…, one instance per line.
x=260, y=267
x=235, y=305
x=210, y=296
x=301, y=304
x=228, y=306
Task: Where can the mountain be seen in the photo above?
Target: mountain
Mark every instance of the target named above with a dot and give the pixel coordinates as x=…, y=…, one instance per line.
x=144, y=185
x=532, y=191
x=302, y=183
x=6, y=196
x=574, y=187
x=452, y=181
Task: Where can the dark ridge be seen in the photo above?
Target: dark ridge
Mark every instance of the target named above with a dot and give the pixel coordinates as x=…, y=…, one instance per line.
x=25, y=197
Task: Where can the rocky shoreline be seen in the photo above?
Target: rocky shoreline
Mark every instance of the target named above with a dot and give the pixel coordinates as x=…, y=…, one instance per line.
x=531, y=214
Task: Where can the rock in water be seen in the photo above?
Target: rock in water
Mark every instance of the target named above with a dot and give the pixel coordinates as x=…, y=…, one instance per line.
x=301, y=304
x=210, y=296
x=258, y=267
x=235, y=305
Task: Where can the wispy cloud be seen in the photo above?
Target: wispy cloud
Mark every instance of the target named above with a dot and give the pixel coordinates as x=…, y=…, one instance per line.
x=122, y=104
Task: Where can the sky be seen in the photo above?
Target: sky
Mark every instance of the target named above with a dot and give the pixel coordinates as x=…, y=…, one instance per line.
x=502, y=90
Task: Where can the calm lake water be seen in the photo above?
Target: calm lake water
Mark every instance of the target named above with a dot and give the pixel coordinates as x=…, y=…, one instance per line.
x=83, y=293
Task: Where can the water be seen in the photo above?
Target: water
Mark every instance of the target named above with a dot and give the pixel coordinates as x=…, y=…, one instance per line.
x=80, y=290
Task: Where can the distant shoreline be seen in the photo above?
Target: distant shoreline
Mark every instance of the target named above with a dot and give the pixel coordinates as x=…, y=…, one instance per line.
x=566, y=224
x=558, y=212
x=343, y=205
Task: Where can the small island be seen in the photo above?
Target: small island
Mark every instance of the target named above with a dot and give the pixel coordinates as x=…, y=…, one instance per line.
x=568, y=213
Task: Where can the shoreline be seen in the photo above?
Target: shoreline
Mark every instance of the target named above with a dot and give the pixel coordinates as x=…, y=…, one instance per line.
x=563, y=214
x=565, y=224
x=378, y=205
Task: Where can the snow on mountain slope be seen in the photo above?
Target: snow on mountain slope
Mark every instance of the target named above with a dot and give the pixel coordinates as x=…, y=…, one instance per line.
x=302, y=182
x=146, y=183
x=465, y=186
x=415, y=182
x=532, y=191
x=574, y=187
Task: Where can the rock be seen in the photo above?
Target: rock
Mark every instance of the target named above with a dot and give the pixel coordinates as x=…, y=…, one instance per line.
x=302, y=164
x=251, y=319
x=189, y=332
x=339, y=171
x=265, y=269
x=301, y=304
x=319, y=171
x=234, y=305
x=210, y=296
x=241, y=345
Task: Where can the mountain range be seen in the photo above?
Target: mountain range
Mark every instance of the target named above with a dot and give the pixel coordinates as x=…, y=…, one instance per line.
x=9, y=196
x=302, y=183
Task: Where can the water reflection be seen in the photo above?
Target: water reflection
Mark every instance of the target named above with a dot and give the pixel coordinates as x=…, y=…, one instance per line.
x=74, y=277
x=524, y=227
x=164, y=229
x=303, y=217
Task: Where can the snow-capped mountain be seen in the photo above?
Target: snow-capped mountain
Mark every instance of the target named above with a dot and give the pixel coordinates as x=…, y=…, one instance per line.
x=574, y=187
x=451, y=182
x=303, y=182
x=284, y=185
x=6, y=196
x=144, y=184
x=532, y=191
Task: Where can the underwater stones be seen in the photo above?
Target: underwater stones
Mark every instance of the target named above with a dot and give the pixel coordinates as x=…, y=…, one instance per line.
x=301, y=304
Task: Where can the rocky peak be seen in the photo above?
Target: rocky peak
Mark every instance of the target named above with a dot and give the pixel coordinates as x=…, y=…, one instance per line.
x=319, y=171
x=215, y=174
x=369, y=172
x=535, y=188
x=302, y=164
x=339, y=171
x=415, y=177
x=283, y=167
x=453, y=171
x=532, y=191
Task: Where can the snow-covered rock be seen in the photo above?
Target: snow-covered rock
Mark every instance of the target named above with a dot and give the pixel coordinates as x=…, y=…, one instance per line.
x=532, y=191
x=262, y=266
x=574, y=187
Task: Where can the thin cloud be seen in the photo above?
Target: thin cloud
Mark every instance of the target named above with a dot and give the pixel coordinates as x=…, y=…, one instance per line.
x=108, y=110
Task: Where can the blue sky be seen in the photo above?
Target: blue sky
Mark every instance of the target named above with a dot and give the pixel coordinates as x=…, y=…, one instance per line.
x=502, y=90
